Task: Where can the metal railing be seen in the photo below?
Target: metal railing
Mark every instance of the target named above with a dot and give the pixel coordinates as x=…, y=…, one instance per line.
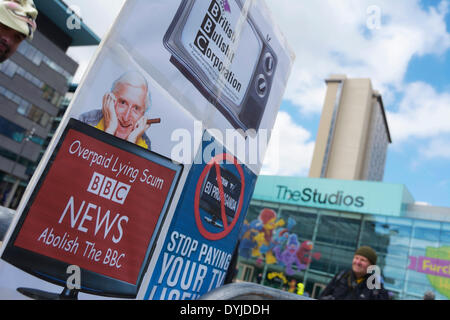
x=250, y=291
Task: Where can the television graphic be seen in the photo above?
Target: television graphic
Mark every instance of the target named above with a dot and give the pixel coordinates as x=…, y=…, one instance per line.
x=210, y=199
x=98, y=205
x=216, y=45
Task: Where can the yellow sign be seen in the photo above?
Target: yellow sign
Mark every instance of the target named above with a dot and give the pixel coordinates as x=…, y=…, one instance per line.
x=300, y=288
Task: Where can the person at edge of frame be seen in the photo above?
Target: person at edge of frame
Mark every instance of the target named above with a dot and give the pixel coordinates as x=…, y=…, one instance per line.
x=17, y=22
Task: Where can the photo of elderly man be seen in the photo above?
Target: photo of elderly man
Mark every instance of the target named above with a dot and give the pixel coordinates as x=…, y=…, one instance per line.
x=124, y=110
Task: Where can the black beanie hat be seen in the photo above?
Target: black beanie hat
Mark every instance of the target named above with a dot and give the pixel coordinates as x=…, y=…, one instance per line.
x=368, y=253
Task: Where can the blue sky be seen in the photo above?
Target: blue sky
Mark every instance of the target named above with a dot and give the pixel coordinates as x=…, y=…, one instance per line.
x=407, y=57
x=428, y=179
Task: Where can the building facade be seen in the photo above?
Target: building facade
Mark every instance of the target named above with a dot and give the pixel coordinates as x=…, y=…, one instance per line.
x=353, y=133
x=306, y=230
x=33, y=83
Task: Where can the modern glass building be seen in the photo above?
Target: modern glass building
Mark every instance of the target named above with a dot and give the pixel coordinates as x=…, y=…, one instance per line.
x=305, y=230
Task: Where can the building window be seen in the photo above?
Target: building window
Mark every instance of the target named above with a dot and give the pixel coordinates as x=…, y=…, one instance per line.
x=48, y=93
x=51, y=95
x=11, y=130
x=45, y=120
x=35, y=114
x=426, y=233
x=245, y=272
x=27, y=109
x=338, y=230
x=444, y=238
x=36, y=56
x=304, y=223
x=375, y=233
x=16, y=158
x=17, y=133
x=9, y=68
x=24, y=107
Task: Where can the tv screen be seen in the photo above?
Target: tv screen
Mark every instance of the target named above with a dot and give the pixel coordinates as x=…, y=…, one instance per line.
x=210, y=198
x=98, y=205
x=218, y=47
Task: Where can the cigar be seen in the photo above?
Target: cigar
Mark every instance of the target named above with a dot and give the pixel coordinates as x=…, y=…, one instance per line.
x=151, y=121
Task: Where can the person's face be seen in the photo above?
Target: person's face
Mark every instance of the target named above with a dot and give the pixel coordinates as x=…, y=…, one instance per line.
x=360, y=265
x=130, y=107
x=10, y=40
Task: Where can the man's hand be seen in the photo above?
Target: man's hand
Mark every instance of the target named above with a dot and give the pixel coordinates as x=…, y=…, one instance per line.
x=109, y=113
x=139, y=130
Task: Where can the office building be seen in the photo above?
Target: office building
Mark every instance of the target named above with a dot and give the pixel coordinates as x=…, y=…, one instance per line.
x=319, y=224
x=353, y=133
x=33, y=83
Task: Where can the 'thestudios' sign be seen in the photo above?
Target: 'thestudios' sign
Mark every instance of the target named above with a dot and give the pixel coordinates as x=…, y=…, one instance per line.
x=356, y=196
x=315, y=196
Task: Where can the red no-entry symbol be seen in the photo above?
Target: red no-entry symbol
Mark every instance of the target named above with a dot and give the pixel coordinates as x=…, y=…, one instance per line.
x=227, y=228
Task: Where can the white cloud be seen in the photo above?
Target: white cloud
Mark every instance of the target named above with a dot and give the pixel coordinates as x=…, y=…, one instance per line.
x=422, y=120
x=290, y=149
x=98, y=15
x=422, y=203
x=423, y=113
x=331, y=36
x=437, y=148
x=328, y=37
x=82, y=55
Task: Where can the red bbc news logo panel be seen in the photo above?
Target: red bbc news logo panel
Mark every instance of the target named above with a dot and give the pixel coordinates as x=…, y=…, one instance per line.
x=108, y=188
x=110, y=224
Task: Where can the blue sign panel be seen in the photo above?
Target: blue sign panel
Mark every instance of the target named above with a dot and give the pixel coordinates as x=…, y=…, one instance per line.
x=205, y=228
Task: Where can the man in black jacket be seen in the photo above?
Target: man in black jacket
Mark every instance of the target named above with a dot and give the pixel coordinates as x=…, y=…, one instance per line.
x=356, y=283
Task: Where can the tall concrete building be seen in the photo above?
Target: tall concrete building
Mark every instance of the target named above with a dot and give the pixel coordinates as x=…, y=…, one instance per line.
x=353, y=133
x=33, y=83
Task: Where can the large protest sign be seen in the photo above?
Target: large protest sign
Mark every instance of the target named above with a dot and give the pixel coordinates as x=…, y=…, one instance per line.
x=147, y=181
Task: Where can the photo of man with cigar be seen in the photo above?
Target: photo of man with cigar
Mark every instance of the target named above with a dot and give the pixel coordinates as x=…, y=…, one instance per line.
x=124, y=112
